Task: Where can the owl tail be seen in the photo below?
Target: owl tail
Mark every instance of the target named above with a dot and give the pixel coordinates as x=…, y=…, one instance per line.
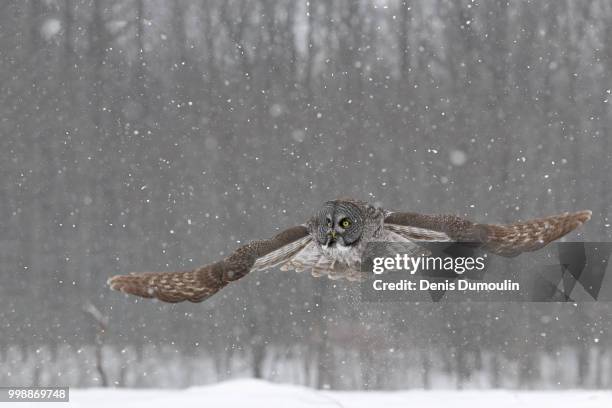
x=510, y=240
x=194, y=286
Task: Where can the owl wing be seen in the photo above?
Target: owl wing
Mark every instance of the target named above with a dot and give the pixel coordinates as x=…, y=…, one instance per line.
x=505, y=240
x=201, y=283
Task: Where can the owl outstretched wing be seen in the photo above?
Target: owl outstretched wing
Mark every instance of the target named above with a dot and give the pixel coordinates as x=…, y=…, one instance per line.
x=505, y=240
x=201, y=283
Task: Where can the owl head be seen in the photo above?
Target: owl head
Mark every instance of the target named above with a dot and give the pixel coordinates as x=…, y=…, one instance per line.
x=339, y=223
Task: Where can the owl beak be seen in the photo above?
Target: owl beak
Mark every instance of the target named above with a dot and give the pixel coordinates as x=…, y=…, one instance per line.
x=331, y=237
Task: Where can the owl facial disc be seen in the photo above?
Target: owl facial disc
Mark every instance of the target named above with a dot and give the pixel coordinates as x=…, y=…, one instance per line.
x=339, y=224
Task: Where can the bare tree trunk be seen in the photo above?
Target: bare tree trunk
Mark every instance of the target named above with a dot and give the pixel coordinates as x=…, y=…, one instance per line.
x=140, y=72
x=98, y=44
x=426, y=369
x=258, y=349
x=461, y=368
x=583, y=363
x=599, y=367
x=321, y=338
x=102, y=325
x=495, y=370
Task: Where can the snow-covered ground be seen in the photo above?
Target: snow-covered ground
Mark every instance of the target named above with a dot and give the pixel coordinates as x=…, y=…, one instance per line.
x=255, y=394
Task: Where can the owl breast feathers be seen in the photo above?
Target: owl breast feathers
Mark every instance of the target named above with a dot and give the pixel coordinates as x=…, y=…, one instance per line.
x=333, y=241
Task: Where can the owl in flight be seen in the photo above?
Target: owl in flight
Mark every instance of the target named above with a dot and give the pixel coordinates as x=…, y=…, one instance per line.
x=333, y=241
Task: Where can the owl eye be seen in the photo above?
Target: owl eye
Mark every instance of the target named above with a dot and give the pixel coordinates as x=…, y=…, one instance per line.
x=329, y=223
x=345, y=223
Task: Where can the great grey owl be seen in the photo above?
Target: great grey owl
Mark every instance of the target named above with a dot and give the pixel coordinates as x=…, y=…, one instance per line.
x=332, y=243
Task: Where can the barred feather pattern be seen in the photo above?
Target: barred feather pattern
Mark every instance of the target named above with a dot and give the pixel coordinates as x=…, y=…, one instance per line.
x=195, y=285
x=511, y=240
x=201, y=283
x=505, y=240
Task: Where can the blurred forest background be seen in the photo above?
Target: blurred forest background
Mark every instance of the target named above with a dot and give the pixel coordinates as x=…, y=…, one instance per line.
x=158, y=135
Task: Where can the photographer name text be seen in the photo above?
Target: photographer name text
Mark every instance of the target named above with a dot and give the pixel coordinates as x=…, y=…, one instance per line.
x=424, y=263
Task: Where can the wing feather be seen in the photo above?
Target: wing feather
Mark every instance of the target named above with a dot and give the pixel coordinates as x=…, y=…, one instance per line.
x=417, y=234
x=304, y=259
x=201, y=283
x=505, y=240
x=281, y=255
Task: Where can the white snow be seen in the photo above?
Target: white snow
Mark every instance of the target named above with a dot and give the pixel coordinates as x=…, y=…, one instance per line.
x=256, y=394
x=457, y=157
x=50, y=28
